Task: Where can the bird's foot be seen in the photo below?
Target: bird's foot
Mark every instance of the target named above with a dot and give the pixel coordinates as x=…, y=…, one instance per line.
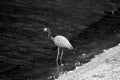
x=62, y=64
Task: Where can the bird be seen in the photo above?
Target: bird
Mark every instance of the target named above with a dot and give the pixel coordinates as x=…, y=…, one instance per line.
x=60, y=41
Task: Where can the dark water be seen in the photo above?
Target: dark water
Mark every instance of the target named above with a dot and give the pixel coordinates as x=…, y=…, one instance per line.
x=27, y=54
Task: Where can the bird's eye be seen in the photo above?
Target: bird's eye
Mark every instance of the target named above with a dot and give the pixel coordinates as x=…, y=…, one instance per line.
x=45, y=29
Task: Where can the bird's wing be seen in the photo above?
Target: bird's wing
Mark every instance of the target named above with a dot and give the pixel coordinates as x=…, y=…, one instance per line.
x=61, y=41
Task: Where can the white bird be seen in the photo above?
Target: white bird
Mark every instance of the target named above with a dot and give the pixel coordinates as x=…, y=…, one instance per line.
x=59, y=41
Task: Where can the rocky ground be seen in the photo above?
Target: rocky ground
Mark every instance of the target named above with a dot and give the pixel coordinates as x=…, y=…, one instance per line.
x=105, y=66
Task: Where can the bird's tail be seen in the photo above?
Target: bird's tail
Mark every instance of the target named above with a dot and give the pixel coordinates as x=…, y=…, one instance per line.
x=74, y=50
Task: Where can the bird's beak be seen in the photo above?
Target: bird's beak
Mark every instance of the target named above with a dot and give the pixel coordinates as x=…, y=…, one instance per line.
x=43, y=30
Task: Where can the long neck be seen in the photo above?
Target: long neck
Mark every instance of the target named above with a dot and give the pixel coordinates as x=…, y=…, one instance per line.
x=50, y=35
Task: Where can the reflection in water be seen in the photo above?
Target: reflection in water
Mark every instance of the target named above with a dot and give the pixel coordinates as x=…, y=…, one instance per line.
x=58, y=71
x=63, y=69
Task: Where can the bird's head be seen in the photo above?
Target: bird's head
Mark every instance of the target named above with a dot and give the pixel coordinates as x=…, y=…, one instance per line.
x=46, y=29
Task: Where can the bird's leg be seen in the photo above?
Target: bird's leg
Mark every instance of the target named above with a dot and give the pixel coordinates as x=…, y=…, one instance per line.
x=61, y=56
x=58, y=54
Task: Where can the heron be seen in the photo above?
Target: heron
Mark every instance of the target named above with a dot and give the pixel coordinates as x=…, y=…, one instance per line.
x=60, y=41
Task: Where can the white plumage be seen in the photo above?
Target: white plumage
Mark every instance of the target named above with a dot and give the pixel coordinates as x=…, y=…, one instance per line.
x=62, y=42
x=59, y=41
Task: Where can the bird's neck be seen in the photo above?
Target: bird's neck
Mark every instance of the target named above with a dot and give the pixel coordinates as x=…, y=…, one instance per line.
x=52, y=38
x=50, y=35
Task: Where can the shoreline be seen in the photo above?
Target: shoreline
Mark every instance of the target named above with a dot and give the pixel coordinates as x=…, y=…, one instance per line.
x=105, y=66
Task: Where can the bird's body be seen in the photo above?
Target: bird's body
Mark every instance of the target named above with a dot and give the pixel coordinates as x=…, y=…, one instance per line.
x=59, y=41
x=62, y=42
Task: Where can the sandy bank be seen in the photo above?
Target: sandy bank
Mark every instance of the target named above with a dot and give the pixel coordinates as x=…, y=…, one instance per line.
x=105, y=66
